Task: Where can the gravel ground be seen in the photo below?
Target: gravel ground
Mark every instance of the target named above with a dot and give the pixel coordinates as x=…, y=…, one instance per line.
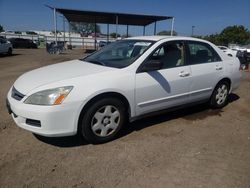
x=193, y=147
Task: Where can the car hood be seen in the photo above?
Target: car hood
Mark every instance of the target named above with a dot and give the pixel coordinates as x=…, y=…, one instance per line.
x=56, y=72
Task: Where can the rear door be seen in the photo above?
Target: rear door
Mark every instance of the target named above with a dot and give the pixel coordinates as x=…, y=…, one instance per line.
x=167, y=87
x=206, y=69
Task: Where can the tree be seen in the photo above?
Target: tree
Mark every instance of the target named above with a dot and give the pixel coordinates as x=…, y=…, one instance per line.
x=1, y=28
x=235, y=34
x=126, y=36
x=113, y=35
x=214, y=38
x=164, y=32
x=230, y=35
x=85, y=28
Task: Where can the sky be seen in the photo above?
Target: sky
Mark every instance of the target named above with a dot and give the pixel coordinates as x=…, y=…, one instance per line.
x=208, y=16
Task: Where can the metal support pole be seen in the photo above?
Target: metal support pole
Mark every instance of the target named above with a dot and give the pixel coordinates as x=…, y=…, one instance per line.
x=172, y=28
x=95, y=36
x=55, y=25
x=107, y=32
x=69, y=34
x=116, y=22
x=64, y=30
x=127, y=31
x=155, y=29
x=144, y=30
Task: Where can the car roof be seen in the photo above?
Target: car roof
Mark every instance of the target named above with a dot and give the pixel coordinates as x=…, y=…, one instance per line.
x=161, y=37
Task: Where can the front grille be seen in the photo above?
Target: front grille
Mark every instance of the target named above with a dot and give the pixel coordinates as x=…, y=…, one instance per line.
x=16, y=94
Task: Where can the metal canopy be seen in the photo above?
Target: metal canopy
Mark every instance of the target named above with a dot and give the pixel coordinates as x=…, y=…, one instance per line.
x=110, y=18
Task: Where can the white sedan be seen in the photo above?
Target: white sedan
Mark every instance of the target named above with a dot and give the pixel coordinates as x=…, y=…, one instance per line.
x=125, y=80
x=5, y=47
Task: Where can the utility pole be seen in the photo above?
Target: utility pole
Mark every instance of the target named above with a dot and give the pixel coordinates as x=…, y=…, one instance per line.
x=193, y=30
x=55, y=25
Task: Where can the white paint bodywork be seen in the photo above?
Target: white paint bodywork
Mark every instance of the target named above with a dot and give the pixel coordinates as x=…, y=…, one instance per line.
x=145, y=92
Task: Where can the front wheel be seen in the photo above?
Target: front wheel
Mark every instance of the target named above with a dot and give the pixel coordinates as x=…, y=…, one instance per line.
x=220, y=94
x=103, y=120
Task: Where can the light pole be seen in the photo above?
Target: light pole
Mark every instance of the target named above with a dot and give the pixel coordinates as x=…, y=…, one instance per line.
x=193, y=30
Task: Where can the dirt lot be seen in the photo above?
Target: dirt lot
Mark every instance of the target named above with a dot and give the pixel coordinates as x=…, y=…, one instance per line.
x=195, y=147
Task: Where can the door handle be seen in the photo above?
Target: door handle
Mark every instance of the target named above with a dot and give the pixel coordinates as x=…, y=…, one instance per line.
x=217, y=67
x=184, y=74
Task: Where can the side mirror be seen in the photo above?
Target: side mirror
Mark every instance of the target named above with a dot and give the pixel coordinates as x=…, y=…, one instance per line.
x=152, y=65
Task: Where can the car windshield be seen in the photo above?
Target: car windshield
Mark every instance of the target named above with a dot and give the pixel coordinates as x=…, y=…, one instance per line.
x=119, y=54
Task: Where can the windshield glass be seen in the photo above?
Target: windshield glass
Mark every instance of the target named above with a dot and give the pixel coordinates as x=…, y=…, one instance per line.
x=119, y=54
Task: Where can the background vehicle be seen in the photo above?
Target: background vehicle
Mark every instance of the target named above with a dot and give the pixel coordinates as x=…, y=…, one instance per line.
x=125, y=80
x=244, y=58
x=22, y=43
x=5, y=47
x=228, y=51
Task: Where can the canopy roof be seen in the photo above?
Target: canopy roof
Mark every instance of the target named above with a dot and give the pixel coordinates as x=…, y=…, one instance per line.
x=109, y=17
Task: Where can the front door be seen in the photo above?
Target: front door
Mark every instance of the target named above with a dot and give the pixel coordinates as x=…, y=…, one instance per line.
x=167, y=87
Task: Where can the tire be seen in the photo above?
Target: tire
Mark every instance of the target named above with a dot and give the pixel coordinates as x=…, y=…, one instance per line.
x=219, y=98
x=103, y=120
x=9, y=51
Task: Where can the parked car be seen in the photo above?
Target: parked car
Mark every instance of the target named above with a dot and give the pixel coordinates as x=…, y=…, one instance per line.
x=22, y=43
x=243, y=57
x=228, y=51
x=5, y=47
x=125, y=80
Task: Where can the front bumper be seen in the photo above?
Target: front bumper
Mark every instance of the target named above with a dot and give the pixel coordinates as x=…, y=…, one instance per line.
x=50, y=121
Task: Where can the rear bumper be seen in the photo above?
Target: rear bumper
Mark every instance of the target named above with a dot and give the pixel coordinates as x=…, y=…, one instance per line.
x=50, y=121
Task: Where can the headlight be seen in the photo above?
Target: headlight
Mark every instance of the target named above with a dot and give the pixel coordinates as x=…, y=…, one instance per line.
x=49, y=97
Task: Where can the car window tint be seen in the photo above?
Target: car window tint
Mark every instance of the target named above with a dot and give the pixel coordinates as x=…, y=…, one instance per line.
x=170, y=54
x=199, y=52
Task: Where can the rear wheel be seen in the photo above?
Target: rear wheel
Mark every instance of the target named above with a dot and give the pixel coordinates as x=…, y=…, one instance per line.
x=103, y=120
x=220, y=94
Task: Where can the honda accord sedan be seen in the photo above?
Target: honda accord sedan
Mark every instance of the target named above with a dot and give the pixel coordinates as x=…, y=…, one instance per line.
x=125, y=80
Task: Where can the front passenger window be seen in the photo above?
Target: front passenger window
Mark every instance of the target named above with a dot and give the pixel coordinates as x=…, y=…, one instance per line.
x=170, y=54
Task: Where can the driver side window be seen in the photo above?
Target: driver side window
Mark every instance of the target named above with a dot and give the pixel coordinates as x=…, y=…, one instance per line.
x=171, y=54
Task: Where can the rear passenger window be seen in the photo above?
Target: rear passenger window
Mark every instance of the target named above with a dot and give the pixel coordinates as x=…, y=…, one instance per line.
x=198, y=52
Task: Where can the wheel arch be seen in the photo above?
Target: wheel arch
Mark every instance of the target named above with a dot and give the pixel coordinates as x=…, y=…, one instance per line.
x=101, y=96
x=226, y=79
